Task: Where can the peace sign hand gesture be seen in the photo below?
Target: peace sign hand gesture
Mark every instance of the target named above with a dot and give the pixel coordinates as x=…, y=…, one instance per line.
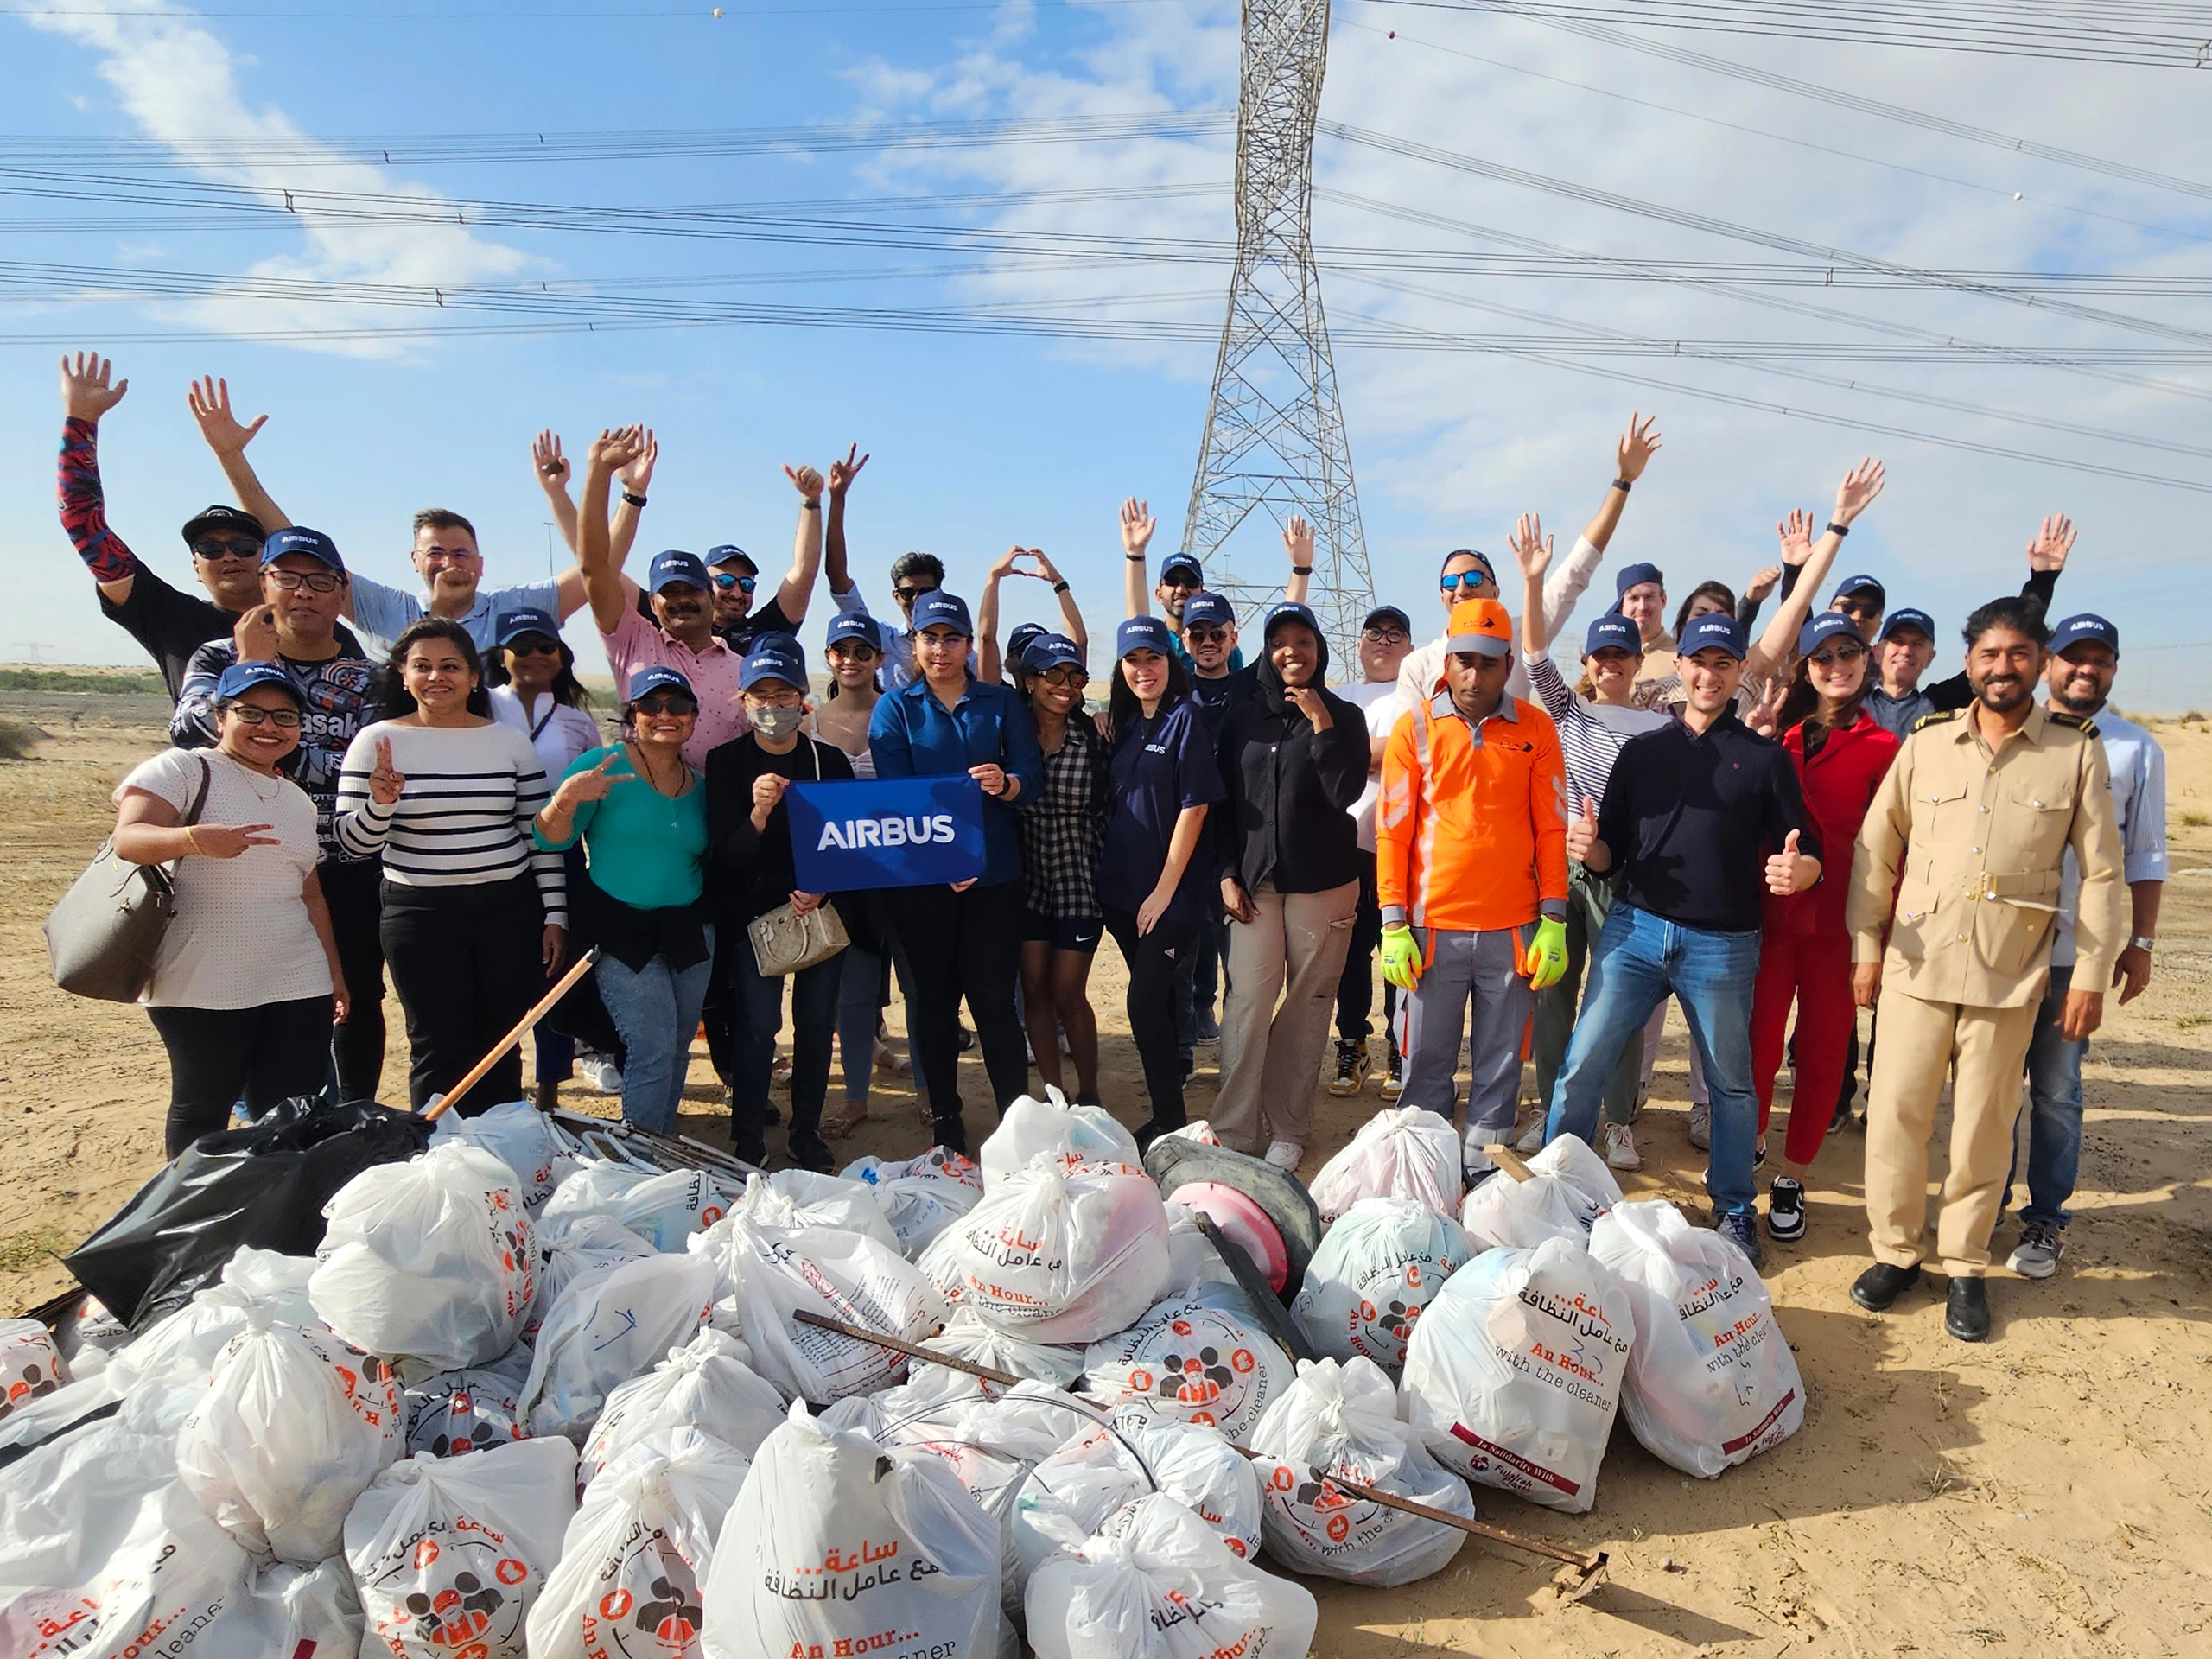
x=386, y=782
x=229, y=840
x=842, y=472
x=592, y=785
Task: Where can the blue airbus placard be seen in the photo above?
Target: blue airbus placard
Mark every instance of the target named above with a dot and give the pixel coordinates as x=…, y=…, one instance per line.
x=887, y=832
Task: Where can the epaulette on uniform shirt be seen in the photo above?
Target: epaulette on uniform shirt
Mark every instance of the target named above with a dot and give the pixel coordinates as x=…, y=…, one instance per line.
x=1938, y=718
x=2086, y=724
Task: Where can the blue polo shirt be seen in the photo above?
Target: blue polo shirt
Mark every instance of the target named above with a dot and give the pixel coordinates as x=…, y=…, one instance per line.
x=913, y=735
x=1160, y=766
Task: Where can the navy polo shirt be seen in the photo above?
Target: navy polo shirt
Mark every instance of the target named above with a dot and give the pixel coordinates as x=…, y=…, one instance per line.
x=1160, y=766
x=911, y=735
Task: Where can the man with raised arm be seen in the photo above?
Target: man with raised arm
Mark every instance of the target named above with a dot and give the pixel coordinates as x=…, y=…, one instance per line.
x=1181, y=575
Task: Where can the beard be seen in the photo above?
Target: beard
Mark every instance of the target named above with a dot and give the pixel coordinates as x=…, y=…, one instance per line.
x=2002, y=693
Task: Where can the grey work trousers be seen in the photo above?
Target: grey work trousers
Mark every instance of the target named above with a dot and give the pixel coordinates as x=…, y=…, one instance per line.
x=1464, y=971
x=1271, y=1055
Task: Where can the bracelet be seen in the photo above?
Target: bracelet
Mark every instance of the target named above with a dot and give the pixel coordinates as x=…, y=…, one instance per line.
x=1834, y=529
x=633, y=498
x=1301, y=570
x=810, y=505
x=1136, y=558
x=1623, y=486
x=1059, y=587
x=192, y=839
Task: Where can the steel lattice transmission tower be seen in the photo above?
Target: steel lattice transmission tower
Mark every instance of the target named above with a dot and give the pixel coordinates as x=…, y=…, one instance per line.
x=1274, y=436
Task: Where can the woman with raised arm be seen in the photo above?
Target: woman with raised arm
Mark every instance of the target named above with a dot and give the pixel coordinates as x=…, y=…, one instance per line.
x=1008, y=670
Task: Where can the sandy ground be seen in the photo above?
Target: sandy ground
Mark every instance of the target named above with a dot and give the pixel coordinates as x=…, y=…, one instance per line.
x=2048, y=1493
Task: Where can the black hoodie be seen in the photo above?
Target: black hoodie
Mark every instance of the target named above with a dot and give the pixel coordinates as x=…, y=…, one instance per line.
x=1288, y=820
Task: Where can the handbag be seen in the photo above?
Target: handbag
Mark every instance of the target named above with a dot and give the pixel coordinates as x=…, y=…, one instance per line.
x=102, y=938
x=784, y=942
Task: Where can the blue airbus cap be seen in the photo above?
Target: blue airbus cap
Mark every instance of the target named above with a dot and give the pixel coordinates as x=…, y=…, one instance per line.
x=298, y=539
x=1715, y=629
x=1289, y=611
x=1051, y=650
x=2076, y=629
x=855, y=624
x=1613, y=630
x=1143, y=633
x=1852, y=586
x=1480, y=557
x=659, y=678
x=939, y=609
x=773, y=657
x=1025, y=635
x=1819, y=630
x=1897, y=621
x=1209, y=610
x=730, y=553
x=514, y=624
x=241, y=677
x=674, y=566
x=1186, y=563
x=1634, y=575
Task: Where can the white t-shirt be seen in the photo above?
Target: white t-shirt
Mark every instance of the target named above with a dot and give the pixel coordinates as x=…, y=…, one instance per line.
x=240, y=937
x=557, y=732
x=1380, y=699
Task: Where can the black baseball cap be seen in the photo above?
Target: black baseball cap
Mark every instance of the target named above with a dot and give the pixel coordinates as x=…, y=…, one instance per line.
x=1382, y=613
x=222, y=519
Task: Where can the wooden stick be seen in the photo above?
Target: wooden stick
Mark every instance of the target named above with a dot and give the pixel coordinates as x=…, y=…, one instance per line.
x=1585, y=1566
x=1508, y=1160
x=439, y=1107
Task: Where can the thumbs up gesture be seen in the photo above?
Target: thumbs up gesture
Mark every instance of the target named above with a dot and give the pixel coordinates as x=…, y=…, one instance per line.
x=1791, y=871
x=1582, y=832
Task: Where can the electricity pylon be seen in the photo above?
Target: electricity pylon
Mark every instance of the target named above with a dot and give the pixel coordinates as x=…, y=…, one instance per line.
x=1274, y=436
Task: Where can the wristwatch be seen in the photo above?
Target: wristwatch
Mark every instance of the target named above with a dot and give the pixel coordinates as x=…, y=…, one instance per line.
x=2141, y=941
x=1834, y=529
x=633, y=498
x=1301, y=570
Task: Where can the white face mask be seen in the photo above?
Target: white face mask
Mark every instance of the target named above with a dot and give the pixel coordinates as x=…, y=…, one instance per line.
x=776, y=723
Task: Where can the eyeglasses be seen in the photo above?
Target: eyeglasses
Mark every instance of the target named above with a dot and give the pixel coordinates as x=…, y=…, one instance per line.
x=1206, y=636
x=726, y=581
x=1452, y=583
x=907, y=596
x=533, y=645
x=1065, y=676
x=666, y=705
x=1186, y=579
x=1850, y=606
x=252, y=716
x=1837, y=654
x=858, y=651
x=221, y=547
x=1387, y=636
x=315, y=582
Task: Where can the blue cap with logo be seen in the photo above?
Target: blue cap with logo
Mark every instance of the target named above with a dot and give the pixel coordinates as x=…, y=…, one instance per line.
x=1898, y=620
x=1862, y=583
x=659, y=678
x=1049, y=651
x=1208, y=611
x=1183, y=565
x=1490, y=570
x=1289, y=611
x=1715, y=629
x=939, y=609
x=1614, y=632
x=1143, y=633
x=1024, y=635
x=674, y=566
x=1634, y=575
x=241, y=677
x=1819, y=630
x=297, y=539
x=730, y=553
x=2088, y=626
x=855, y=624
x=512, y=625
x=773, y=657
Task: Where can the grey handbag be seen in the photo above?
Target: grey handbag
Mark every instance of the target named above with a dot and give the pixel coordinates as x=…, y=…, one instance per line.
x=784, y=942
x=102, y=938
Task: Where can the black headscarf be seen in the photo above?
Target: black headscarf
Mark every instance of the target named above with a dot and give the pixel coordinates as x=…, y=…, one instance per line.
x=1272, y=691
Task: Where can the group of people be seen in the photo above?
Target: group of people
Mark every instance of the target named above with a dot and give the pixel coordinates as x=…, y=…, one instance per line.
x=1771, y=832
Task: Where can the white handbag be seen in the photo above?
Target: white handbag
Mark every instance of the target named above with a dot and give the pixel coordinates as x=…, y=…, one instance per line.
x=784, y=942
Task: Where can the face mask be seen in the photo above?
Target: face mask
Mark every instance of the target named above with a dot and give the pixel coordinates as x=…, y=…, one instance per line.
x=778, y=723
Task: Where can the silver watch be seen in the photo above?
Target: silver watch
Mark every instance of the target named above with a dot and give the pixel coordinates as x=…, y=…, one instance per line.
x=2141, y=941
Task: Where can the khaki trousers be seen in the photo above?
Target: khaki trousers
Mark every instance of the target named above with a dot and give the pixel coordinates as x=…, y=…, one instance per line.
x=1920, y=1041
x=1271, y=1055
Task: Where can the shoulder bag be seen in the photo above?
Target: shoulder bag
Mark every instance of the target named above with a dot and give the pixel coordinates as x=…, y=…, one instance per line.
x=102, y=938
x=784, y=942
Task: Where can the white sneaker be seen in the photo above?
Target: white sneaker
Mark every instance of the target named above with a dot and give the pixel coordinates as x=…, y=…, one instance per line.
x=1620, y=1147
x=1534, y=1140
x=1701, y=1126
x=600, y=1075
x=1286, y=1154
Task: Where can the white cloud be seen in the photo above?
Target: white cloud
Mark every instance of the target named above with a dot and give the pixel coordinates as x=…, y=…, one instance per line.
x=179, y=84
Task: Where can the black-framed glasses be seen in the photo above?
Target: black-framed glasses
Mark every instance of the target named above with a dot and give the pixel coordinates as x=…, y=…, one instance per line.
x=212, y=548
x=669, y=704
x=533, y=645
x=1206, y=636
x=315, y=582
x=1065, y=674
x=1386, y=636
x=254, y=715
x=727, y=580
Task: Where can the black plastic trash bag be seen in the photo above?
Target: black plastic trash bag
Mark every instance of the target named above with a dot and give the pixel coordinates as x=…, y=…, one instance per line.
x=263, y=1185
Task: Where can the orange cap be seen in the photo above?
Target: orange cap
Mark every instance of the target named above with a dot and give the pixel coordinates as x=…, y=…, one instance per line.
x=1479, y=625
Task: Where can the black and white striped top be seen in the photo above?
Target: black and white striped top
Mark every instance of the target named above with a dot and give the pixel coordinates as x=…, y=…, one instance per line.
x=1591, y=734
x=463, y=818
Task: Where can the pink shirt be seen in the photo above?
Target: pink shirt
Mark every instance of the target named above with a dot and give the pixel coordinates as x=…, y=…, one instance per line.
x=713, y=673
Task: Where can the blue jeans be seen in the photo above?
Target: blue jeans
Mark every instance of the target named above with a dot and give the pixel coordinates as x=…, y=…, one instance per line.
x=860, y=1001
x=759, y=1018
x=1639, y=960
x=2054, y=1111
x=656, y=1008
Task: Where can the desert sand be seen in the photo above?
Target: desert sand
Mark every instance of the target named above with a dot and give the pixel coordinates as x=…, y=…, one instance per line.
x=2047, y=1493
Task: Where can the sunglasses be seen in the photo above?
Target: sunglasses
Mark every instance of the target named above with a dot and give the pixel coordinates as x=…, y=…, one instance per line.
x=1205, y=636
x=1452, y=584
x=1064, y=676
x=1831, y=657
x=216, y=548
x=1849, y=607
x=726, y=581
x=315, y=582
x=253, y=716
x=858, y=650
x=533, y=645
x=908, y=596
x=670, y=704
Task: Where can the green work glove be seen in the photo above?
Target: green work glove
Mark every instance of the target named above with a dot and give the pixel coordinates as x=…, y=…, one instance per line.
x=1547, y=959
x=1401, y=957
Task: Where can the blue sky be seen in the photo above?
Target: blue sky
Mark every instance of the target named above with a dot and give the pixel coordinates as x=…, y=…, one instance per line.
x=982, y=442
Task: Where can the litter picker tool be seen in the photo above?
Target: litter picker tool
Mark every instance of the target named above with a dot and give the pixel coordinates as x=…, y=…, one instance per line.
x=546, y=1004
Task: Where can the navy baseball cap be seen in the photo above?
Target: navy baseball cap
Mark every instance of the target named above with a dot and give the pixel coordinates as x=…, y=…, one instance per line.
x=1380, y=616
x=730, y=553
x=241, y=677
x=1024, y=635
x=1210, y=610
x=220, y=517
x=515, y=624
x=1290, y=610
x=1861, y=584
x=674, y=566
x=297, y=539
x=1175, y=561
x=773, y=657
x=659, y=678
x=1819, y=630
x=1613, y=630
x=855, y=624
x=939, y=609
x=1634, y=575
x=1899, y=621
x=1143, y=633
x=2088, y=626
x=1051, y=650
x=1476, y=554
x=1715, y=628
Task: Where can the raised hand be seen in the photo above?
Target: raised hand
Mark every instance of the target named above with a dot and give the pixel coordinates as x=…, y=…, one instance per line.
x=86, y=393
x=1789, y=870
x=596, y=784
x=1530, y=546
x=842, y=472
x=1137, y=526
x=767, y=790
x=1763, y=583
x=552, y=466
x=1857, y=492
x=2051, y=545
x=1047, y=570
x=1298, y=540
x=209, y=400
x=1582, y=831
x=636, y=472
x=1796, y=532
x=806, y=481
x=229, y=840
x=615, y=447
x=1008, y=563
x=1638, y=445
x=387, y=781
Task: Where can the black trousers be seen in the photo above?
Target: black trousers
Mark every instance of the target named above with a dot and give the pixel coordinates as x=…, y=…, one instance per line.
x=217, y=1056
x=1153, y=961
x=724, y=1011
x=964, y=945
x=466, y=964
x=351, y=888
x=1355, y=991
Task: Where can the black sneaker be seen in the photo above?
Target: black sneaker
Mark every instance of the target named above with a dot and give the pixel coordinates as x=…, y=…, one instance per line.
x=1966, y=1310
x=1151, y=1130
x=810, y=1151
x=1785, y=1211
x=1743, y=1231
x=1882, y=1284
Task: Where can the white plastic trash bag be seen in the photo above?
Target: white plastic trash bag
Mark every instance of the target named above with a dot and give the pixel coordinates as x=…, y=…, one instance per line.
x=921, y=1197
x=1379, y=1265
x=1033, y=1128
x=636, y=1551
x=609, y=1325
x=1070, y=1493
x=569, y=1247
x=1061, y=1253
x=1194, y=1358
x=834, y=1201
x=704, y=1384
x=662, y=1207
x=1154, y=1583
x=31, y=1366
x=1201, y=1131
x=472, y=1410
x=967, y=1336
x=833, y=1546
x=1403, y=1152
x=1711, y=1380
x=1572, y=1161
x=450, y=1553
x=87, y=1335
x=293, y=1425
x=1200, y=1469
x=519, y=1136
x=1504, y=1214
x=1514, y=1374
x=1343, y=1420
x=431, y=1264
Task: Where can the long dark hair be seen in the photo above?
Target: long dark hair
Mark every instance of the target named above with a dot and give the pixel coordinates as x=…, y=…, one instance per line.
x=566, y=689
x=1800, y=702
x=1124, y=710
x=397, y=700
x=1719, y=590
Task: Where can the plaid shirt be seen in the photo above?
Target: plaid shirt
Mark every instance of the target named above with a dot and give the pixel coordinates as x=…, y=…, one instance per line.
x=1063, y=827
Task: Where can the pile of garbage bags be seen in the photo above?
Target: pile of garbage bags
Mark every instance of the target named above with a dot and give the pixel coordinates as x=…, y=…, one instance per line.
x=533, y=1398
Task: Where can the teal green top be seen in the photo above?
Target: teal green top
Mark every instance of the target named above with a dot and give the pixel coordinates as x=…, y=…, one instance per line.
x=642, y=848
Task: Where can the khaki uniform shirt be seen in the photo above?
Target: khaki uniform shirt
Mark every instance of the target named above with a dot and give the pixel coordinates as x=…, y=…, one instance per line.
x=1968, y=842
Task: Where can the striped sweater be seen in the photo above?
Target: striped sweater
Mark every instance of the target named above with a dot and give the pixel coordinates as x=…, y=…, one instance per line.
x=464, y=816
x=1591, y=734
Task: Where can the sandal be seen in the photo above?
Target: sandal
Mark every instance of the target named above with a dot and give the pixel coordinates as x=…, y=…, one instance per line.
x=836, y=1128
